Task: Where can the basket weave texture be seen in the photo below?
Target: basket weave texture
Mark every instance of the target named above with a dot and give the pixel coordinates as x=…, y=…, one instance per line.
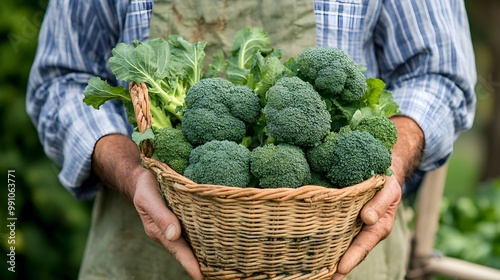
x=251, y=233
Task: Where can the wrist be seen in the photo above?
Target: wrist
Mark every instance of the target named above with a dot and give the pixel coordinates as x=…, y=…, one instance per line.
x=408, y=150
x=116, y=161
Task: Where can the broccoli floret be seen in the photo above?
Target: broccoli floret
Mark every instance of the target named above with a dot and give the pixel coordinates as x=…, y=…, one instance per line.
x=332, y=72
x=172, y=148
x=320, y=157
x=202, y=125
x=220, y=163
x=318, y=179
x=295, y=113
x=381, y=128
x=218, y=110
x=357, y=156
x=281, y=165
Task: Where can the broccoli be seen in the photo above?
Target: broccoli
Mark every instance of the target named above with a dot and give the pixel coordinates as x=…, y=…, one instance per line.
x=320, y=157
x=172, y=148
x=332, y=72
x=220, y=163
x=295, y=113
x=357, y=156
x=218, y=110
x=381, y=128
x=166, y=69
x=280, y=165
x=318, y=179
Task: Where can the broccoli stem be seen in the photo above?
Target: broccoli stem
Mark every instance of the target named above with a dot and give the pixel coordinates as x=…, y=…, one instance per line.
x=160, y=119
x=171, y=103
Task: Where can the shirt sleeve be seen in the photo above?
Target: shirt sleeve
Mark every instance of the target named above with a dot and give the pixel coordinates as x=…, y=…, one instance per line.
x=425, y=55
x=75, y=43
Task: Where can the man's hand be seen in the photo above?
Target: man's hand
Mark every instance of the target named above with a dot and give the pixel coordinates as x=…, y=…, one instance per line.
x=117, y=162
x=380, y=212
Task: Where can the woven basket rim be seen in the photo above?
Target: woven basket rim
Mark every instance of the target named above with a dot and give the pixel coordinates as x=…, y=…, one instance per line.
x=306, y=192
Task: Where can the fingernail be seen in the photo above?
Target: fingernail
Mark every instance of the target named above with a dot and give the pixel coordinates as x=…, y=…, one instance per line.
x=170, y=232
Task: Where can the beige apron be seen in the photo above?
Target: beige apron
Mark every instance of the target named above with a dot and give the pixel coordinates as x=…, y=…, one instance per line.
x=291, y=24
x=117, y=247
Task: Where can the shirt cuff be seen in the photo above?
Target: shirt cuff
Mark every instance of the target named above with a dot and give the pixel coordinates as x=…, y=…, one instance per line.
x=81, y=135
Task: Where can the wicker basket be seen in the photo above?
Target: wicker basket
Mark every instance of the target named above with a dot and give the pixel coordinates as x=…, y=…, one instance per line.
x=250, y=233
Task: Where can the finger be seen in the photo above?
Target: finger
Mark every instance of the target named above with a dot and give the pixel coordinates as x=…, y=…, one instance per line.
x=389, y=195
x=151, y=205
x=162, y=225
x=363, y=243
x=183, y=253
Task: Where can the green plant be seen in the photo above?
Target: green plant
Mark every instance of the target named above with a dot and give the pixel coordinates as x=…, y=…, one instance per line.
x=220, y=163
x=469, y=228
x=295, y=113
x=281, y=165
x=218, y=110
x=349, y=157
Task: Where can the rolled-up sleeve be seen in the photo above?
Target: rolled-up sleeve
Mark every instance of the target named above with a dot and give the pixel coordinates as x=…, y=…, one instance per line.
x=424, y=52
x=75, y=43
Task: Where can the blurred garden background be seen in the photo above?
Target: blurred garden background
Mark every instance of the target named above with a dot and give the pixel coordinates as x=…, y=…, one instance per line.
x=51, y=226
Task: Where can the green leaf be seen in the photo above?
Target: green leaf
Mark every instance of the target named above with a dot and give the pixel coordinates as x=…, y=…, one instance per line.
x=373, y=91
x=387, y=104
x=98, y=91
x=138, y=137
x=141, y=62
x=218, y=64
x=271, y=72
x=238, y=76
x=131, y=64
x=160, y=46
x=246, y=42
x=187, y=59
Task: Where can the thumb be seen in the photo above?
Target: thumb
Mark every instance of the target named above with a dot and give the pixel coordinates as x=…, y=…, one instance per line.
x=153, y=209
x=389, y=195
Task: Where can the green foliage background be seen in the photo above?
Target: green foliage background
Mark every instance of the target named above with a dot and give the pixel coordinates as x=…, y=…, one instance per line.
x=51, y=226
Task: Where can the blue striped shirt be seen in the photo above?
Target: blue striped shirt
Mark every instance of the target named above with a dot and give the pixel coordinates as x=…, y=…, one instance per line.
x=421, y=48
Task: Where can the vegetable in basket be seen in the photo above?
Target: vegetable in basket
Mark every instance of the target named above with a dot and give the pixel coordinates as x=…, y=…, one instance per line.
x=218, y=110
x=221, y=163
x=169, y=69
x=281, y=165
x=277, y=111
x=332, y=72
x=295, y=113
x=349, y=157
x=172, y=148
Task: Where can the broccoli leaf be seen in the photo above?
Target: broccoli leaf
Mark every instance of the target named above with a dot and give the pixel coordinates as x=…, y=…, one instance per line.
x=271, y=72
x=373, y=91
x=98, y=91
x=387, y=104
x=187, y=59
x=377, y=101
x=217, y=66
x=138, y=137
x=246, y=43
x=147, y=62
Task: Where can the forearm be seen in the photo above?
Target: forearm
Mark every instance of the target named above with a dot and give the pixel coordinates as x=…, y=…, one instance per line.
x=116, y=161
x=408, y=150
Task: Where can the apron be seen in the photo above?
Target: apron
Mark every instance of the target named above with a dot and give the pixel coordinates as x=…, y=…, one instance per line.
x=291, y=24
x=117, y=246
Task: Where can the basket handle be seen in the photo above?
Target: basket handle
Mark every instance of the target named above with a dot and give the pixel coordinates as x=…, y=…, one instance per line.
x=140, y=101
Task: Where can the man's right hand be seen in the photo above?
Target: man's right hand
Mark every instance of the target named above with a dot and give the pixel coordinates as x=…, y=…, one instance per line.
x=116, y=161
